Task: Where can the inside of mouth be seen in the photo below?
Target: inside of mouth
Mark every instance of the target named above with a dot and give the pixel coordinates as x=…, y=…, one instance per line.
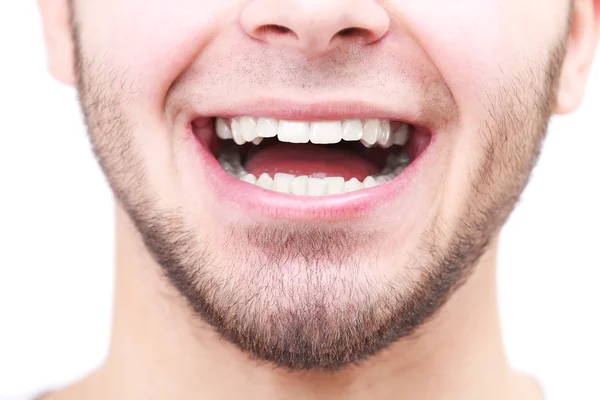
x=345, y=159
x=315, y=158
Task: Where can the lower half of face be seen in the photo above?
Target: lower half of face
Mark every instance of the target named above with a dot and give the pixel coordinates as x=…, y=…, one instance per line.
x=311, y=230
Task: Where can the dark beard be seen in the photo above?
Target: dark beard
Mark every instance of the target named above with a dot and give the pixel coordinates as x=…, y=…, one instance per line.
x=338, y=319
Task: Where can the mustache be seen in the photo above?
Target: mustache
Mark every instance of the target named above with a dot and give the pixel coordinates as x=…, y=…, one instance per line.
x=218, y=82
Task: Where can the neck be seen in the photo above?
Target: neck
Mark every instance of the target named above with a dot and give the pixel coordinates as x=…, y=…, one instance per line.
x=161, y=350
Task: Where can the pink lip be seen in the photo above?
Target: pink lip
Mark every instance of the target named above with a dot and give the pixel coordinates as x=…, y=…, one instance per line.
x=253, y=199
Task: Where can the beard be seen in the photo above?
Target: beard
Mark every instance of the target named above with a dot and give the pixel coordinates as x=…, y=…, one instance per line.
x=294, y=294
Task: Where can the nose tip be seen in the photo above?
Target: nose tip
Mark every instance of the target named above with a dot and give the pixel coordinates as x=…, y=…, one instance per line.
x=315, y=26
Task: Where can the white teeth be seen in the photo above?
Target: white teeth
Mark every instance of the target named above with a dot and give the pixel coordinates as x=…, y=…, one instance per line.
x=366, y=144
x=299, y=185
x=335, y=185
x=369, y=182
x=371, y=131
x=267, y=127
x=223, y=130
x=316, y=187
x=401, y=135
x=265, y=181
x=352, y=129
x=248, y=125
x=353, y=185
x=385, y=135
x=257, y=140
x=230, y=161
x=250, y=179
x=293, y=132
x=236, y=131
x=282, y=182
x=308, y=186
x=326, y=132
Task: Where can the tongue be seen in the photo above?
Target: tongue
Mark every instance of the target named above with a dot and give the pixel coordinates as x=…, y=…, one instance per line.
x=316, y=161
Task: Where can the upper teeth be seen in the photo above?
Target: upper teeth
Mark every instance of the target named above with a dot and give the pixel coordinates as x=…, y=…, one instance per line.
x=368, y=131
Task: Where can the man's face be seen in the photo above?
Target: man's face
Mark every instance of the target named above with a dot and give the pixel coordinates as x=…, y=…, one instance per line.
x=464, y=89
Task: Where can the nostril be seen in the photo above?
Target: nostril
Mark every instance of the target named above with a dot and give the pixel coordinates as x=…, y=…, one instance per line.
x=276, y=29
x=354, y=33
x=317, y=26
x=348, y=32
x=279, y=28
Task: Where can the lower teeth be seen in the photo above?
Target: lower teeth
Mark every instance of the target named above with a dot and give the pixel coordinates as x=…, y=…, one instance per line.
x=307, y=186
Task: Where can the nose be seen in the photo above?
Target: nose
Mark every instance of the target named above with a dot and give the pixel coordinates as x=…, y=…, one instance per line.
x=315, y=26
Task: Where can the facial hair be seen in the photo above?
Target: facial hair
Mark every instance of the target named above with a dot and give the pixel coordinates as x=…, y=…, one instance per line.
x=293, y=294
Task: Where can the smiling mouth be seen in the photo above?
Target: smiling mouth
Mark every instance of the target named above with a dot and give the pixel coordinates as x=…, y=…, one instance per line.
x=315, y=158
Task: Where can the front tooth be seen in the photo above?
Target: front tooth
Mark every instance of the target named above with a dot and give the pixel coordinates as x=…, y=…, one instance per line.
x=385, y=135
x=335, y=185
x=223, y=130
x=293, y=132
x=250, y=179
x=353, y=185
x=371, y=131
x=352, y=129
x=236, y=132
x=299, y=185
x=265, y=181
x=282, y=182
x=248, y=128
x=400, y=137
x=257, y=140
x=326, y=132
x=267, y=127
x=369, y=182
x=316, y=187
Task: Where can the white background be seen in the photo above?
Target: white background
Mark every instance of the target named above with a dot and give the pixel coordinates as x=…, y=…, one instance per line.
x=56, y=237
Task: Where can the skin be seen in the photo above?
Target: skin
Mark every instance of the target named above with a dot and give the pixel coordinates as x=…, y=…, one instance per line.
x=212, y=302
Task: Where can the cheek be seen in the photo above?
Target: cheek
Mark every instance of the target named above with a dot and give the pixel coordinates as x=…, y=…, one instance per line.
x=478, y=47
x=149, y=42
x=145, y=45
x=473, y=42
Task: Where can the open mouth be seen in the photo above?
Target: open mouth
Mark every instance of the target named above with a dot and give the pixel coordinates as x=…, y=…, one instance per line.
x=315, y=158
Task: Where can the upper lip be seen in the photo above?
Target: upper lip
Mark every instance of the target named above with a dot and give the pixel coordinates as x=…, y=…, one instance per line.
x=312, y=111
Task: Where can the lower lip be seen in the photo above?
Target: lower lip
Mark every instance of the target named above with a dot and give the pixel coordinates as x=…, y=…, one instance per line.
x=254, y=199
